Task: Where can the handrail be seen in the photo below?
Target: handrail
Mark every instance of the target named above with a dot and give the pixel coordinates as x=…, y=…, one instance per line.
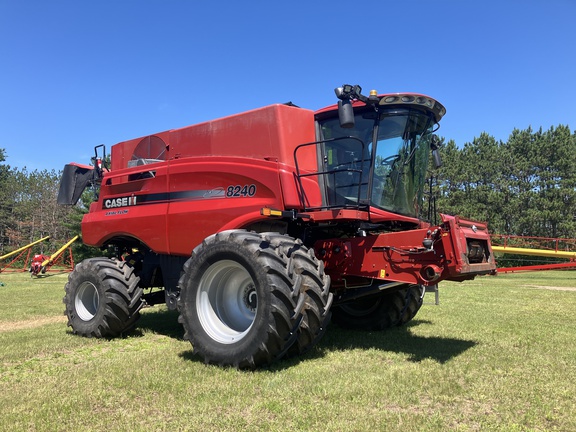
x=300, y=175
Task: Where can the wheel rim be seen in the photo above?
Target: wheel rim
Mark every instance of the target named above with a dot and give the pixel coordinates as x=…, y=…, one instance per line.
x=226, y=301
x=87, y=301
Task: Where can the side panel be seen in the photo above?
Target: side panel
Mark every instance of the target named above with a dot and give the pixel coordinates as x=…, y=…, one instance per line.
x=296, y=197
x=174, y=213
x=133, y=203
x=208, y=195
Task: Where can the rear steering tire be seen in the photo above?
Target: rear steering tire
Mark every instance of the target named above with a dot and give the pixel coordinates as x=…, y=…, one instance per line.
x=243, y=300
x=102, y=298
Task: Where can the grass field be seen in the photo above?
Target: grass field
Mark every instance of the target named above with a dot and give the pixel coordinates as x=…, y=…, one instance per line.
x=498, y=353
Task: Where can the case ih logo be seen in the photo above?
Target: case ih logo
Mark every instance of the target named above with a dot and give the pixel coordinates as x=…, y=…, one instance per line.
x=120, y=202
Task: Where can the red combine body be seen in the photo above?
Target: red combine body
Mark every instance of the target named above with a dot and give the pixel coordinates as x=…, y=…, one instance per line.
x=260, y=226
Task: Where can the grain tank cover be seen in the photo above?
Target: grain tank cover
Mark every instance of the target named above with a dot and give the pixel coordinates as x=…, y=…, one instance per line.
x=271, y=132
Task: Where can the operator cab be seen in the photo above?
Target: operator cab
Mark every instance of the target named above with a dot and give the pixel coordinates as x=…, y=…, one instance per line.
x=375, y=155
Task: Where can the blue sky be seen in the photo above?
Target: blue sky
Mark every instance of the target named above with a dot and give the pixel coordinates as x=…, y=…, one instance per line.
x=75, y=74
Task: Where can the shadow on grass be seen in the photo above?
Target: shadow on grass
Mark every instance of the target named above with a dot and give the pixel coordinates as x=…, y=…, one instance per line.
x=397, y=340
x=160, y=321
x=47, y=275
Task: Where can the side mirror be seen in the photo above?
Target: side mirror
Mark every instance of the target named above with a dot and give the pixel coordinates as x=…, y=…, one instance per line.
x=435, y=146
x=346, y=113
x=436, y=158
x=346, y=94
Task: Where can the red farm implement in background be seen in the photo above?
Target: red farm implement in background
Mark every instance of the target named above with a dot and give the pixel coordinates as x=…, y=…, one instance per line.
x=17, y=256
x=38, y=263
x=41, y=263
x=561, y=249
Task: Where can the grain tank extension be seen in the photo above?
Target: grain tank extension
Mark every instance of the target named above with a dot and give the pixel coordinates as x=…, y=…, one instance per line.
x=261, y=227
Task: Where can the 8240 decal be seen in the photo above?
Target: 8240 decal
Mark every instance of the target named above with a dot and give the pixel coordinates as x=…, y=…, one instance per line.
x=233, y=191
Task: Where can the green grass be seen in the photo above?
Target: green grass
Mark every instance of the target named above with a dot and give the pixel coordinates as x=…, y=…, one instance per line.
x=498, y=353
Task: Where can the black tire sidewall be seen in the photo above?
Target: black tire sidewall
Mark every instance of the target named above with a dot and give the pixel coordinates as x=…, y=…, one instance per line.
x=85, y=272
x=119, y=297
x=199, y=264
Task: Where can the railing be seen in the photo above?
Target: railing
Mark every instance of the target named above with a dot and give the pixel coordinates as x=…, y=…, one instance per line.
x=553, y=253
x=549, y=243
x=335, y=193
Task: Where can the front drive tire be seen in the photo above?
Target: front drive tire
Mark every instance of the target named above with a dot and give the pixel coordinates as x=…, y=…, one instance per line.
x=102, y=298
x=309, y=277
x=241, y=302
x=381, y=311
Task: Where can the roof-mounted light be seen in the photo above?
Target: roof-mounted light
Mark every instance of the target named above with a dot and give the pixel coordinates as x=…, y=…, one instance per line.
x=350, y=96
x=411, y=99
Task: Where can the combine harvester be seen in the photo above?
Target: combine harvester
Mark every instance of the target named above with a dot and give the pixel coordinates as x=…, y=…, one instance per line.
x=562, y=249
x=261, y=226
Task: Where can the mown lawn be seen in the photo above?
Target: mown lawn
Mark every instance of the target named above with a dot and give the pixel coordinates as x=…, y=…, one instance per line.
x=498, y=353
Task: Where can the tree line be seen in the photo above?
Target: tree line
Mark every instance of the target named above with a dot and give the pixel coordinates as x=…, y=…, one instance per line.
x=28, y=209
x=523, y=186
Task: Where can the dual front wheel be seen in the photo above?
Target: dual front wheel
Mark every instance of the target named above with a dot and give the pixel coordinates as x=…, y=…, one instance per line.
x=248, y=299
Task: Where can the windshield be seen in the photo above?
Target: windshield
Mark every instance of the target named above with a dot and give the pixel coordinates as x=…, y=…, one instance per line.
x=389, y=175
